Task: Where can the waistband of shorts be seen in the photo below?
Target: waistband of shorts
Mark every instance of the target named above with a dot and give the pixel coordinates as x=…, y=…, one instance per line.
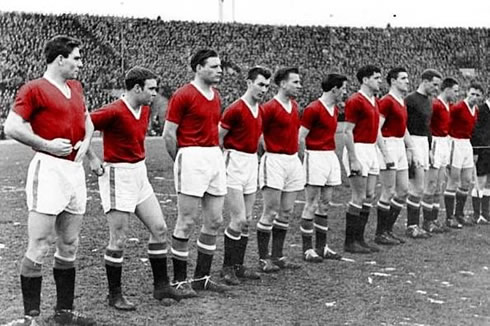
x=58, y=160
x=281, y=155
x=319, y=152
x=201, y=149
x=440, y=138
x=394, y=139
x=365, y=145
x=461, y=140
x=240, y=153
x=419, y=137
x=126, y=165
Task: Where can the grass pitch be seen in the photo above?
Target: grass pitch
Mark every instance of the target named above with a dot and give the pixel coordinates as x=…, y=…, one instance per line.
x=444, y=280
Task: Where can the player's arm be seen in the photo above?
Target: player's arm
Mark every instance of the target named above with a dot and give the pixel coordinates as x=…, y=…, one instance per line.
x=170, y=138
x=411, y=152
x=222, y=132
x=303, y=132
x=380, y=141
x=84, y=145
x=19, y=129
x=355, y=165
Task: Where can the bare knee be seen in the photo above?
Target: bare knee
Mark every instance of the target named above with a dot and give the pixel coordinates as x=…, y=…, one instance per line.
x=159, y=232
x=68, y=247
x=215, y=223
x=38, y=248
x=287, y=212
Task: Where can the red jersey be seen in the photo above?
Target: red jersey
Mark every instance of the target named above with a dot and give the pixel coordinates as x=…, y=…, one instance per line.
x=322, y=126
x=280, y=127
x=123, y=133
x=365, y=116
x=395, y=114
x=439, y=123
x=244, y=129
x=197, y=116
x=50, y=113
x=462, y=120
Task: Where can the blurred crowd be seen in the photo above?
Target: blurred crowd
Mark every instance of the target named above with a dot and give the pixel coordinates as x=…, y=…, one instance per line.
x=113, y=44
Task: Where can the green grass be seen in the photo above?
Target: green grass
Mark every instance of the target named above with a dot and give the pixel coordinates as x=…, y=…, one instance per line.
x=444, y=280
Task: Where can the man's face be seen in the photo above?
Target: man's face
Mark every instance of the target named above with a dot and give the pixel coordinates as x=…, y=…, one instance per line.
x=373, y=82
x=452, y=93
x=211, y=71
x=474, y=97
x=432, y=86
x=71, y=66
x=259, y=87
x=340, y=93
x=401, y=82
x=148, y=92
x=292, y=85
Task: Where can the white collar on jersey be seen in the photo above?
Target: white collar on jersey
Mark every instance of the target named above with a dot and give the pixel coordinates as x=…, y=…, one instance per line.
x=136, y=113
x=286, y=106
x=471, y=109
x=399, y=100
x=203, y=92
x=66, y=91
x=446, y=105
x=330, y=110
x=253, y=109
x=371, y=100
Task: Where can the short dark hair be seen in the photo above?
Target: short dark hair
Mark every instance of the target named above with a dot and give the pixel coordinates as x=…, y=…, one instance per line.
x=448, y=82
x=200, y=57
x=393, y=74
x=137, y=76
x=367, y=71
x=333, y=80
x=476, y=85
x=59, y=45
x=254, y=72
x=429, y=74
x=283, y=74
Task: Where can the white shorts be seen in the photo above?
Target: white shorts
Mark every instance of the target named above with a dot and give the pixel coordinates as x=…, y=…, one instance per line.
x=198, y=170
x=421, y=144
x=461, y=154
x=396, y=148
x=322, y=168
x=241, y=171
x=123, y=186
x=282, y=172
x=55, y=185
x=367, y=156
x=441, y=149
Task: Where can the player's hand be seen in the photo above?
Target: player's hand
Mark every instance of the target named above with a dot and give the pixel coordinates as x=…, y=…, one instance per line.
x=82, y=147
x=431, y=159
x=96, y=166
x=390, y=164
x=410, y=156
x=355, y=168
x=59, y=147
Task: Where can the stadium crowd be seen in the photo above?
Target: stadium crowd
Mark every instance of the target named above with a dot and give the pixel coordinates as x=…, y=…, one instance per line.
x=111, y=44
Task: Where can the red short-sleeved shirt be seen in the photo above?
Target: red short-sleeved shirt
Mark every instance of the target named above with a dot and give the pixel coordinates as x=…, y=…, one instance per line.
x=280, y=127
x=365, y=116
x=462, y=120
x=50, y=113
x=197, y=116
x=322, y=126
x=123, y=133
x=439, y=123
x=244, y=129
x=395, y=114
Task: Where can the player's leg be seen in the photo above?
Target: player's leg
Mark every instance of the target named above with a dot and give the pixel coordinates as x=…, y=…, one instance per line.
x=476, y=197
x=188, y=213
x=240, y=269
x=438, y=195
x=461, y=194
x=366, y=209
x=118, y=222
x=234, y=201
x=397, y=202
x=312, y=194
x=67, y=228
x=485, y=201
x=150, y=213
x=271, y=206
x=353, y=221
x=427, y=203
x=454, y=179
x=280, y=228
x=41, y=234
x=388, y=183
x=415, y=192
x=212, y=207
x=321, y=224
x=481, y=201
